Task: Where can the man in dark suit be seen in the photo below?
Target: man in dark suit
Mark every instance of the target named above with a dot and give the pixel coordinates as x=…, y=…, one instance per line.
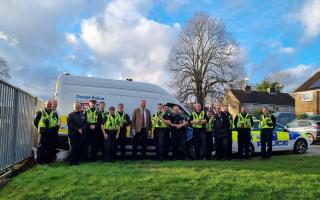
x=141, y=127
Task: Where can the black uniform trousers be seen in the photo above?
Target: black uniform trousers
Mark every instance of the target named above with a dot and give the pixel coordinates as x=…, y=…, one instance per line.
x=110, y=146
x=230, y=142
x=209, y=139
x=244, y=140
x=91, y=144
x=140, y=139
x=160, y=135
x=122, y=141
x=179, y=144
x=266, y=140
x=200, y=142
x=46, y=150
x=76, y=141
x=222, y=144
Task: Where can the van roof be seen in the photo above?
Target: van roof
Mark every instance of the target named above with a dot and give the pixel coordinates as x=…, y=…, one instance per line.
x=112, y=83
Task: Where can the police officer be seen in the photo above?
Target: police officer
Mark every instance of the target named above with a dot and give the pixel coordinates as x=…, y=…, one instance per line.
x=56, y=135
x=124, y=121
x=267, y=124
x=92, y=134
x=101, y=116
x=209, y=134
x=77, y=125
x=198, y=120
x=178, y=133
x=167, y=116
x=221, y=126
x=111, y=130
x=159, y=124
x=46, y=121
x=243, y=123
x=230, y=117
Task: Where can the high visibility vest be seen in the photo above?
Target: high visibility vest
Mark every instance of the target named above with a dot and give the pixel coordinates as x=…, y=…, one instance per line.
x=231, y=121
x=157, y=121
x=111, y=123
x=209, y=124
x=52, y=119
x=197, y=117
x=244, y=122
x=104, y=114
x=92, y=116
x=266, y=122
x=120, y=119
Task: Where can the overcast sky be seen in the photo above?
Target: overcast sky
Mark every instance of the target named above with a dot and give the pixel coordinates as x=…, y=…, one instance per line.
x=122, y=39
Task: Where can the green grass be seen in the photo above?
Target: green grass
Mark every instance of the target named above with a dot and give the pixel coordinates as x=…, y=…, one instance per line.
x=282, y=177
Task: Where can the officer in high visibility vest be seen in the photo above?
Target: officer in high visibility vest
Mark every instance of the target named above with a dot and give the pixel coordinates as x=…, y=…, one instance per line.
x=198, y=120
x=160, y=124
x=167, y=116
x=124, y=121
x=267, y=124
x=243, y=123
x=101, y=115
x=56, y=135
x=46, y=121
x=111, y=130
x=230, y=117
x=209, y=134
x=92, y=134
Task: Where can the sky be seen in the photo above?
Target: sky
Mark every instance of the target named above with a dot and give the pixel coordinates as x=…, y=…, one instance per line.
x=119, y=39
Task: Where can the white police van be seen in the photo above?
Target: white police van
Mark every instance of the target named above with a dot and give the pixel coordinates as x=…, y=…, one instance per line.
x=71, y=89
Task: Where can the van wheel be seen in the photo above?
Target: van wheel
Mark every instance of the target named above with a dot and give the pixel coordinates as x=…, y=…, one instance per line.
x=300, y=147
x=311, y=138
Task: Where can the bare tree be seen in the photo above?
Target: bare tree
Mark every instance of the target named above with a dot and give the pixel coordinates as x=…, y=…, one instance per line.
x=4, y=70
x=204, y=60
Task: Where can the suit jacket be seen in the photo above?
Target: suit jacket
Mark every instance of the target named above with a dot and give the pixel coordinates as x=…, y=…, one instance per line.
x=136, y=122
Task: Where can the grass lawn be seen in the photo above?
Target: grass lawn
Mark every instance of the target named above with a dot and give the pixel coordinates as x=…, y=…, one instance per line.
x=282, y=177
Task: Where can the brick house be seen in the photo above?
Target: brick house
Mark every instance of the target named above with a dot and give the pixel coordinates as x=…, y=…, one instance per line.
x=307, y=96
x=253, y=100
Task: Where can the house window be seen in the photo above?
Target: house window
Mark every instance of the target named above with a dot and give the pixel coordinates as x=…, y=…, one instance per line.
x=307, y=96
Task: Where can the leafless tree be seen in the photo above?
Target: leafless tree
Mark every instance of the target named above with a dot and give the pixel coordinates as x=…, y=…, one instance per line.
x=4, y=70
x=204, y=61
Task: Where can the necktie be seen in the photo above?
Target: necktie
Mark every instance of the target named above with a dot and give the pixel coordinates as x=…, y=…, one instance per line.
x=142, y=113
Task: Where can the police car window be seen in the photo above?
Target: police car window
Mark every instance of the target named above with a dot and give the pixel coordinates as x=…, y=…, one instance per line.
x=256, y=125
x=302, y=123
x=279, y=128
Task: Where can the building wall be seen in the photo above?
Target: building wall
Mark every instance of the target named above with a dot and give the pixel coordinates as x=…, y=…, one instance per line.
x=233, y=102
x=303, y=104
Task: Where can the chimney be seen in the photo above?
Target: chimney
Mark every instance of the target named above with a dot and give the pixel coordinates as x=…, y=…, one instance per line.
x=247, y=88
x=272, y=90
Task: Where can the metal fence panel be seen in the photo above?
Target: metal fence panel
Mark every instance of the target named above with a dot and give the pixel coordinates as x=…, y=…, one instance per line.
x=16, y=128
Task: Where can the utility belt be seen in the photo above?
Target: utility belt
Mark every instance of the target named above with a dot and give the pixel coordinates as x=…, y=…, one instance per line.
x=110, y=130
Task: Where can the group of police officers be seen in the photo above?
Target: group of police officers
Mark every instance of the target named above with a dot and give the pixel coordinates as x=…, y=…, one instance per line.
x=94, y=130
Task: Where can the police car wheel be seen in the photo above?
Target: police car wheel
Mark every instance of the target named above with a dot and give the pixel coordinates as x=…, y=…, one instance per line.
x=300, y=146
x=311, y=138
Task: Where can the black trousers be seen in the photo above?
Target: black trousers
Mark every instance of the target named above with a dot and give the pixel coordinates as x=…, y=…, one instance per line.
x=91, y=144
x=122, y=141
x=266, y=140
x=46, y=151
x=200, y=142
x=110, y=146
x=244, y=140
x=140, y=139
x=161, y=142
x=179, y=144
x=222, y=142
x=75, y=148
x=209, y=138
x=230, y=141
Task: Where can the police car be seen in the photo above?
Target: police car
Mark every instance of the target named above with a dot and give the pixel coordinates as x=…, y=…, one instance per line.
x=283, y=140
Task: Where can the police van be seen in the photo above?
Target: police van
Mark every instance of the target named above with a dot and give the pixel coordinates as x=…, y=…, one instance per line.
x=71, y=89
